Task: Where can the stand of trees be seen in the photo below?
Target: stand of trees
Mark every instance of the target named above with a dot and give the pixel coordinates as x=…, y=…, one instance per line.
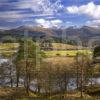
x=84, y=71
x=26, y=62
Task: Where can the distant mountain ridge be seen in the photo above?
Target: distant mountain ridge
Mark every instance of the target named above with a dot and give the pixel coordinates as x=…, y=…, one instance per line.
x=84, y=33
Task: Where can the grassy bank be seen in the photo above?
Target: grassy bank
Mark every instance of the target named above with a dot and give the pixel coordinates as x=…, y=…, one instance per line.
x=20, y=94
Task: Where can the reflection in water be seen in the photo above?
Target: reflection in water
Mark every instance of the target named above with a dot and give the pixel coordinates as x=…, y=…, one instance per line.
x=33, y=85
x=71, y=84
x=3, y=60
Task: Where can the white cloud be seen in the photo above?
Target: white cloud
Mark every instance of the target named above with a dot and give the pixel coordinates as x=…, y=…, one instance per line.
x=90, y=9
x=14, y=16
x=48, y=23
x=93, y=23
x=56, y=22
x=40, y=6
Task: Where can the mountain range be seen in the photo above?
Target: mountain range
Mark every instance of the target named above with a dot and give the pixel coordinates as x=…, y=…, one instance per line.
x=83, y=33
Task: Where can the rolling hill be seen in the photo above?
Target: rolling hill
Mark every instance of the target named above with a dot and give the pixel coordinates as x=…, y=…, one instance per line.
x=84, y=33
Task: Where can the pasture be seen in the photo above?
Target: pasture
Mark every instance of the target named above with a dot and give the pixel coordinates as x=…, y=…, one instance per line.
x=68, y=53
x=6, y=46
x=8, y=49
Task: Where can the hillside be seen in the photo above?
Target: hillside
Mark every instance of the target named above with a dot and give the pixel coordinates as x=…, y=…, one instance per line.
x=84, y=33
x=63, y=46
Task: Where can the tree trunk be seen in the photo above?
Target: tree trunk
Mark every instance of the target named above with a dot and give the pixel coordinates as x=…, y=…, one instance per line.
x=77, y=78
x=11, y=81
x=17, y=84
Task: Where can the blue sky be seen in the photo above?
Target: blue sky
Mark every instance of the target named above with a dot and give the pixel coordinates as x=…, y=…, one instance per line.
x=49, y=13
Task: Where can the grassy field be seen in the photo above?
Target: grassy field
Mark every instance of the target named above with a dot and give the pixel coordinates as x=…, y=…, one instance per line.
x=10, y=48
x=4, y=46
x=61, y=49
x=63, y=46
x=60, y=60
x=67, y=52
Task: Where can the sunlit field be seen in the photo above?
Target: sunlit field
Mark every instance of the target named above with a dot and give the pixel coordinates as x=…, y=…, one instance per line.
x=63, y=46
x=8, y=49
x=6, y=46
x=67, y=52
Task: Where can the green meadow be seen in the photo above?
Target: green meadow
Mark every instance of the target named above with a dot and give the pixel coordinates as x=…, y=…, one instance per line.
x=69, y=53
x=8, y=49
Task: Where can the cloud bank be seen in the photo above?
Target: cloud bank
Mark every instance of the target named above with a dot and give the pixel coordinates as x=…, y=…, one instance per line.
x=48, y=23
x=48, y=13
x=40, y=6
x=93, y=23
x=92, y=10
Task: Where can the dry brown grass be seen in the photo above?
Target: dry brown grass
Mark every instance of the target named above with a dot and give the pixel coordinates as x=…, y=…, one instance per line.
x=60, y=60
x=63, y=46
x=4, y=46
x=6, y=91
x=73, y=95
